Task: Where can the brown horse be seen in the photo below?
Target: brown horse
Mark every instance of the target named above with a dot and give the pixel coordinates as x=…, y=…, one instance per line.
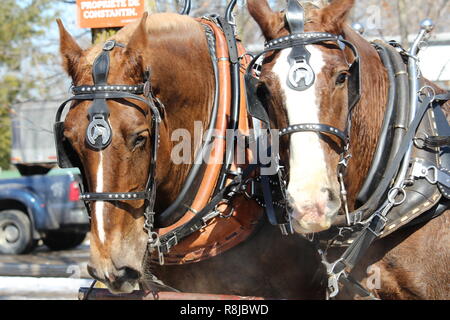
x=175, y=49
x=413, y=262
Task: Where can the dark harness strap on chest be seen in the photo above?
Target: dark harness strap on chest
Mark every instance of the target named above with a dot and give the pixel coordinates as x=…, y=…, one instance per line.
x=342, y=267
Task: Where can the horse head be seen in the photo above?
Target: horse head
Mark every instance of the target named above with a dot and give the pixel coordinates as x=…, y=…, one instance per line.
x=113, y=132
x=310, y=83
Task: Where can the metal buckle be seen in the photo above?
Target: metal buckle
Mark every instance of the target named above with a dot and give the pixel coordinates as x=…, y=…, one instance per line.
x=210, y=216
x=333, y=277
x=421, y=171
x=393, y=193
x=154, y=242
x=172, y=242
x=109, y=45
x=250, y=182
x=333, y=283
x=419, y=140
x=357, y=217
x=379, y=215
x=427, y=91
x=287, y=228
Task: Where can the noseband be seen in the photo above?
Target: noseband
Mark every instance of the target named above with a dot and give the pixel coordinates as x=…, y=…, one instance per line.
x=301, y=75
x=99, y=133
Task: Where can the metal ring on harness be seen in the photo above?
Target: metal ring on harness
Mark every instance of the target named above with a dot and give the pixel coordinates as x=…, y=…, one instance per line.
x=393, y=193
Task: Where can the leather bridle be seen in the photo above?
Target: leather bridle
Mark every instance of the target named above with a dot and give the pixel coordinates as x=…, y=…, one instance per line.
x=99, y=133
x=302, y=76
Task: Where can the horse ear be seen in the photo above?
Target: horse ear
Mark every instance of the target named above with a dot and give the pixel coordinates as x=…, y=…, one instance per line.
x=269, y=21
x=334, y=16
x=139, y=39
x=69, y=49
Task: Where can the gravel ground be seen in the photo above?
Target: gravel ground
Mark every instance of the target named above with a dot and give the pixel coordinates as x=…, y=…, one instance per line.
x=44, y=274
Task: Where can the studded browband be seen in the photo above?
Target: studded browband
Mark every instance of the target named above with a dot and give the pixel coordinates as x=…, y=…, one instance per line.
x=135, y=89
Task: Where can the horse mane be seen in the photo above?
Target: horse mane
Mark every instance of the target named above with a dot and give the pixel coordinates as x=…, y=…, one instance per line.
x=368, y=114
x=157, y=24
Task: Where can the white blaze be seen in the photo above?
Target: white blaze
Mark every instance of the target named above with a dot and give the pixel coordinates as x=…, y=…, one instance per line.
x=308, y=170
x=99, y=205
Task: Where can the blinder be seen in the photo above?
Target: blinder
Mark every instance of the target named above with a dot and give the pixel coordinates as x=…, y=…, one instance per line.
x=65, y=154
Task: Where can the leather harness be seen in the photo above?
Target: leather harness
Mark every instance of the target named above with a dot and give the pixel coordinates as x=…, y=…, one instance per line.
x=221, y=215
x=99, y=133
x=384, y=200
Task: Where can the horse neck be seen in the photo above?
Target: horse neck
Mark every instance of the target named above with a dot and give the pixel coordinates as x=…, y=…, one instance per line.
x=185, y=84
x=368, y=115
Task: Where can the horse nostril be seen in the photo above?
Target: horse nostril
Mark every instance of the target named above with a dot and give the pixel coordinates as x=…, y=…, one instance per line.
x=333, y=200
x=329, y=194
x=92, y=272
x=127, y=273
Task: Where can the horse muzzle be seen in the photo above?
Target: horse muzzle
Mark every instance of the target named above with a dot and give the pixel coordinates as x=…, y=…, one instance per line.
x=123, y=280
x=310, y=216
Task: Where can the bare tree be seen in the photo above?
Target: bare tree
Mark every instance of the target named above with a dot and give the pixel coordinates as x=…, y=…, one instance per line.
x=403, y=22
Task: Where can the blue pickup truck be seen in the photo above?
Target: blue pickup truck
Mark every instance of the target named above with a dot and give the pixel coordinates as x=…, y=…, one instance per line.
x=41, y=207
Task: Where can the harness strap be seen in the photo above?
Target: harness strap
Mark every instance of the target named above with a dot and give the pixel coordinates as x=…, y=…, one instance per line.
x=393, y=167
x=394, y=122
x=170, y=239
x=437, y=141
x=350, y=282
x=112, y=196
x=315, y=127
x=378, y=221
x=228, y=32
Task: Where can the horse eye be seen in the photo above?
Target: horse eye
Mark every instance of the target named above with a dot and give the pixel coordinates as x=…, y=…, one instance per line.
x=140, y=140
x=341, y=78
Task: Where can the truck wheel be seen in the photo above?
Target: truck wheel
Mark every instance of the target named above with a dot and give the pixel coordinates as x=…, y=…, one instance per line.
x=15, y=232
x=63, y=240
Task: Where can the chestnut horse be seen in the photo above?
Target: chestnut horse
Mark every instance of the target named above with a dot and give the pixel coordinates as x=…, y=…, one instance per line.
x=175, y=49
x=412, y=262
